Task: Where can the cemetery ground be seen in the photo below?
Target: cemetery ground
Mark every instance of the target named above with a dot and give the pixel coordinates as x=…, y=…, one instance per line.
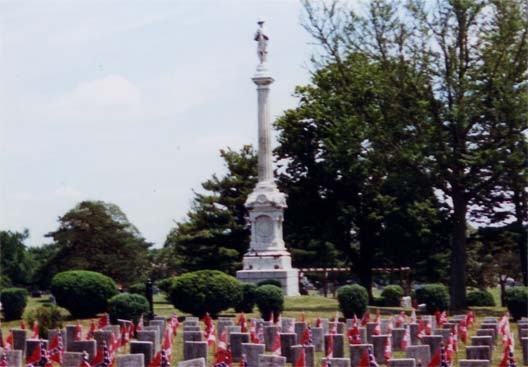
x=313, y=306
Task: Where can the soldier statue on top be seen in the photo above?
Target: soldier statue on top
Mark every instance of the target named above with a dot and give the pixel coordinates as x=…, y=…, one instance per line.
x=262, y=37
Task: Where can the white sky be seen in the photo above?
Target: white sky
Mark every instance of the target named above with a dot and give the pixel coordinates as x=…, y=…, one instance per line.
x=130, y=101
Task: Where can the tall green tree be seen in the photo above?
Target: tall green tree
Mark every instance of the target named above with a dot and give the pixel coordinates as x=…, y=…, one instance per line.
x=98, y=236
x=215, y=234
x=455, y=51
x=15, y=262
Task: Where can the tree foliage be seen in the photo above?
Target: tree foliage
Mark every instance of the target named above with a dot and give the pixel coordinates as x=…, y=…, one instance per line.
x=15, y=262
x=215, y=234
x=97, y=236
x=449, y=73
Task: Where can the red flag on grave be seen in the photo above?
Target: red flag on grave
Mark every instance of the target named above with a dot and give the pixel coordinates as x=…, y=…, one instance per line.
x=103, y=321
x=56, y=348
x=301, y=360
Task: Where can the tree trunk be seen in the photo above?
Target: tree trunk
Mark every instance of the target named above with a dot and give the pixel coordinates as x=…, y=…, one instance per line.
x=458, y=251
x=366, y=251
x=502, y=283
x=519, y=200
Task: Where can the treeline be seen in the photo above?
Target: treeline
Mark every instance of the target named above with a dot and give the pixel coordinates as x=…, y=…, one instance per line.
x=412, y=128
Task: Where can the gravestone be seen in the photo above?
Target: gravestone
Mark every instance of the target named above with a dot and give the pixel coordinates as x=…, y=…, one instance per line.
x=14, y=358
x=191, y=328
x=317, y=338
x=384, y=326
x=232, y=329
x=90, y=346
x=19, y=339
x=192, y=319
x=252, y=352
x=299, y=331
x=31, y=344
x=324, y=325
x=449, y=325
x=285, y=324
x=116, y=329
x=197, y=362
x=192, y=336
x=422, y=354
x=339, y=345
x=103, y=335
x=473, y=363
x=72, y=359
x=52, y=333
x=191, y=323
x=524, y=348
x=236, y=340
x=193, y=350
x=413, y=330
x=482, y=340
x=222, y=324
x=287, y=340
x=271, y=361
x=491, y=319
x=130, y=360
x=341, y=327
x=356, y=352
x=269, y=337
x=144, y=347
x=402, y=362
x=523, y=332
x=124, y=323
x=70, y=337
x=397, y=337
x=445, y=333
x=488, y=332
x=149, y=336
x=160, y=324
x=309, y=354
x=378, y=343
x=478, y=352
x=338, y=362
x=434, y=342
x=370, y=331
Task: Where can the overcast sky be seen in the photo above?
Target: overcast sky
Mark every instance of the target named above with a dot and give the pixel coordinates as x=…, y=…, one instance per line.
x=130, y=101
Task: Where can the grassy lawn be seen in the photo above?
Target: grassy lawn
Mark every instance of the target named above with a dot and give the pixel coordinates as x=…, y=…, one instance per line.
x=313, y=306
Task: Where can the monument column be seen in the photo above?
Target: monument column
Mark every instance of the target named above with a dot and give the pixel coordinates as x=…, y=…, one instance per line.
x=267, y=257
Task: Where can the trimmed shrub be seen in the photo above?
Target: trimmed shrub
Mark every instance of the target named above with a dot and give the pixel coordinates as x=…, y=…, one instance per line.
x=14, y=301
x=480, y=298
x=392, y=295
x=127, y=306
x=165, y=285
x=205, y=291
x=248, y=298
x=517, y=302
x=48, y=317
x=353, y=300
x=138, y=288
x=83, y=293
x=274, y=282
x=269, y=299
x=435, y=296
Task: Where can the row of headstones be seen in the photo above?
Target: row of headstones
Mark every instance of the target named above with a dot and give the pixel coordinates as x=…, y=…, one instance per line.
x=147, y=344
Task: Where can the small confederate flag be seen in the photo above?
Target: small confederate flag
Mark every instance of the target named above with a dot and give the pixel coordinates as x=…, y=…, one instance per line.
x=174, y=323
x=23, y=325
x=508, y=359
x=139, y=326
x=301, y=360
x=413, y=316
x=277, y=345
x=3, y=360
x=377, y=327
x=318, y=322
x=368, y=359
x=387, y=348
x=462, y=329
x=307, y=336
x=56, y=348
x=103, y=321
x=439, y=359
x=354, y=335
x=365, y=319
x=330, y=346
x=242, y=322
x=223, y=358
x=39, y=358
x=85, y=362
x=78, y=332
x=90, y=334
x=400, y=321
x=243, y=361
x=35, y=330
x=8, y=345
x=406, y=340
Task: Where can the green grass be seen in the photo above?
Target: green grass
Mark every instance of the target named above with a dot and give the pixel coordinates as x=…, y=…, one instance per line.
x=313, y=306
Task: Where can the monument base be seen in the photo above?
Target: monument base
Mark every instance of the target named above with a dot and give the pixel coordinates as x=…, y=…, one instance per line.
x=288, y=278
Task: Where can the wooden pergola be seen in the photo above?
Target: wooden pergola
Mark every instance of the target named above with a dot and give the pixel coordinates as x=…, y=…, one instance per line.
x=405, y=276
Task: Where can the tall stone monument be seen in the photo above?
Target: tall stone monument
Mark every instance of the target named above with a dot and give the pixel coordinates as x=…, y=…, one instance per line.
x=267, y=257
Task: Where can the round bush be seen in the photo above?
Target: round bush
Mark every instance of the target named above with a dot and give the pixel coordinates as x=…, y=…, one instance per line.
x=274, y=282
x=269, y=300
x=248, y=298
x=48, y=316
x=138, y=288
x=205, y=291
x=353, y=300
x=435, y=296
x=517, y=302
x=392, y=295
x=127, y=306
x=83, y=293
x=480, y=298
x=14, y=301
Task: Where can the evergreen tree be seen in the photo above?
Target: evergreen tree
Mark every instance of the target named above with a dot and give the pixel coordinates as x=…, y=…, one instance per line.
x=216, y=234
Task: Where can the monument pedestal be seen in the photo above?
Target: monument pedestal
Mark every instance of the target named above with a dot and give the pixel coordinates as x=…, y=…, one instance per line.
x=289, y=278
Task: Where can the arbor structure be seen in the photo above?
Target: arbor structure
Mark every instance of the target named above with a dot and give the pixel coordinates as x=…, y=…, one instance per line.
x=97, y=236
x=457, y=72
